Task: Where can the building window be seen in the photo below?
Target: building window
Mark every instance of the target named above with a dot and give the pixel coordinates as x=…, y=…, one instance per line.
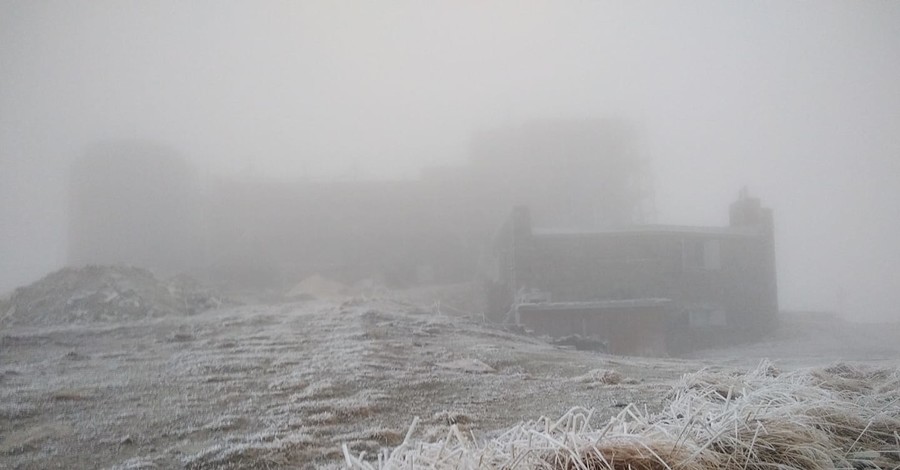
x=702, y=255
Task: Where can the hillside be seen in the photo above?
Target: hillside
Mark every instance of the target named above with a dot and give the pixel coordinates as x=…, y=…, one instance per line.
x=284, y=386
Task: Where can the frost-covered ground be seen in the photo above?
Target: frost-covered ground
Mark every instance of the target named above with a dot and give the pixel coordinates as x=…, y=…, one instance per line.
x=814, y=341
x=283, y=386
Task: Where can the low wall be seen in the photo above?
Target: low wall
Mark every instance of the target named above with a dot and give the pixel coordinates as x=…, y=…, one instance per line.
x=636, y=330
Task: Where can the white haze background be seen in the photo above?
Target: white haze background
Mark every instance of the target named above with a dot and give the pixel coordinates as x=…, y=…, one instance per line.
x=799, y=101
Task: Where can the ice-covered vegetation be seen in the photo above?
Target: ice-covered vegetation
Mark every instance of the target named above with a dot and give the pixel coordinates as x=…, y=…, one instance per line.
x=842, y=416
x=310, y=383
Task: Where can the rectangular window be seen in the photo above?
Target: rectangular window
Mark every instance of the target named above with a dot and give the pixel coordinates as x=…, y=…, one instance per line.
x=701, y=255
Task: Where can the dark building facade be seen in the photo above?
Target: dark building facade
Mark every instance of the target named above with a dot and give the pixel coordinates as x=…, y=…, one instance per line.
x=627, y=327
x=578, y=173
x=141, y=203
x=718, y=282
x=274, y=233
x=436, y=228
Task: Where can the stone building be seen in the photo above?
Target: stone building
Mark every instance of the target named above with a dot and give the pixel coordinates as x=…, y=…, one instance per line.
x=710, y=283
x=140, y=203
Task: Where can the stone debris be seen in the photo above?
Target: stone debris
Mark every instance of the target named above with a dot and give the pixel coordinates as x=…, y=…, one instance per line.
x=104, y=293
x=581, y=343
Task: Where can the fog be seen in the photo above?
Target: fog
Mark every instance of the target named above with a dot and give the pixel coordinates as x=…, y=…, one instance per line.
x=796, y=101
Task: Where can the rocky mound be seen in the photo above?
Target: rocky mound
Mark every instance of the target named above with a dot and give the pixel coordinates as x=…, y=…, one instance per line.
x=103, y=293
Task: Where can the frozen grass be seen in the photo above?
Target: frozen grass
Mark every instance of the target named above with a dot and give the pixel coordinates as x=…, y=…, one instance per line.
x=600, y=377
x=451, y=418
x=252, y=452
x=71, y=395
x=285, y=386
x=15, y=410
x=843, y=416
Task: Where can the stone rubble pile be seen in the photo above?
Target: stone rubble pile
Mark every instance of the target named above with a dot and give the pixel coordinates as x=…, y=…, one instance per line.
x=104, y=293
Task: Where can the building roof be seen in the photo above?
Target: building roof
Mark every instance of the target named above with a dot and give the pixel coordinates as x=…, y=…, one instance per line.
x=595, y=304
x=651, y=229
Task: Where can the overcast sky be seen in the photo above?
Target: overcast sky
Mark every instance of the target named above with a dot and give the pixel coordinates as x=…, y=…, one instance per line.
x=799, y=101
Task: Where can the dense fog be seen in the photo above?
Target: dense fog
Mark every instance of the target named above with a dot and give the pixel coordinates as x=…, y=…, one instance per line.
x=798, y=102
